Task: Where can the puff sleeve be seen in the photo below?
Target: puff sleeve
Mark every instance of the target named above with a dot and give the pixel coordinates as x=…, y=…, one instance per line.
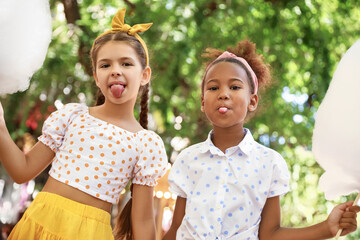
x=56, y=124
x=179, y=175
x=152, y=162
x=280, y=177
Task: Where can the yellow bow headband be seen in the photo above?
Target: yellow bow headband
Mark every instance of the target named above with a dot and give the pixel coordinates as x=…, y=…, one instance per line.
x=117, y=25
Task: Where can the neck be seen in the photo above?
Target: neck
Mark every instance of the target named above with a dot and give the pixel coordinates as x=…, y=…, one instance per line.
x=121, y=115
x=224, y=138
x=123, y=111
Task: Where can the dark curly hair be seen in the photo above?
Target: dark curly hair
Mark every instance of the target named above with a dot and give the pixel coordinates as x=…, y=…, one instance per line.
x=247, y=50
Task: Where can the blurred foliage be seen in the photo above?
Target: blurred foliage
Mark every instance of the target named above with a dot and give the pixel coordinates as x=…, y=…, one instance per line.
x=302, y=40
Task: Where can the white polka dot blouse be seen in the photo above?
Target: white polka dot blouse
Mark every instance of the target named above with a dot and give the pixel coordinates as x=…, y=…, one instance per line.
x=100, y=158
x=226, y=192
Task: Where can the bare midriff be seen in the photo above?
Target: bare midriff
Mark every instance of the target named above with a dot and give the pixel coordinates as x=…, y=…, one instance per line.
x=64, y=190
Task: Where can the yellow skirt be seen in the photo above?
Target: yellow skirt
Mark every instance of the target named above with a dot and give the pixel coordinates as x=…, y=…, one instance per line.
x=51, y=217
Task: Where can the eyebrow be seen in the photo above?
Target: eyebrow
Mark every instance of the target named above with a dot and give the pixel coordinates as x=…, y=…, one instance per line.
x=123, y=58
x=215, y=80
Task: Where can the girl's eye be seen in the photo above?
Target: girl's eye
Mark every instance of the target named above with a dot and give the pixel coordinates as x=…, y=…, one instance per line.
x=235, y=87
x=213, y=88
x=127, y=64
x=105, y=66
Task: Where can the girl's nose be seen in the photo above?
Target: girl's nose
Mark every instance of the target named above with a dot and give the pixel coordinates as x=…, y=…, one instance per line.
x=223, y=95
x=115, y=73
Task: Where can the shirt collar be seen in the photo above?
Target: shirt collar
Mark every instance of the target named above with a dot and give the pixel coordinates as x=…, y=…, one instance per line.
x=208, y=145
x=246, y=145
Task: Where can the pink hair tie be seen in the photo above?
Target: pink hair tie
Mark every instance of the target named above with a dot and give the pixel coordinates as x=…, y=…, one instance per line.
x=227, y=54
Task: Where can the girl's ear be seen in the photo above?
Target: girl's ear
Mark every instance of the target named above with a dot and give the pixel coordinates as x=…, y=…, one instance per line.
x=202, y=103
x=146, y=75
x=253, y=103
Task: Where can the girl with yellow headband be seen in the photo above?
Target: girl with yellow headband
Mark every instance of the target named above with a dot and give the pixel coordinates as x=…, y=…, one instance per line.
x=95, y=151
x=229, y=186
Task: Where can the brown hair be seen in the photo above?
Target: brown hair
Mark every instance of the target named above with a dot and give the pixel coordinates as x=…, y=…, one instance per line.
x=247, y=50
x=133, y=42
x=122, y=228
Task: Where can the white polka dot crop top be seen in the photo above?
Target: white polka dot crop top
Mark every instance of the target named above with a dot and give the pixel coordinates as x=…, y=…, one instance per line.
x=100, y=158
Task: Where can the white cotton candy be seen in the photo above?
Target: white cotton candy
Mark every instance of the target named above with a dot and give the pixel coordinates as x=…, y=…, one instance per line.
x=336, y=136
x=25, y=34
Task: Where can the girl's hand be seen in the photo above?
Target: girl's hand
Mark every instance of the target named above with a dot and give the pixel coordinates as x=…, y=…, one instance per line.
x=343, y=216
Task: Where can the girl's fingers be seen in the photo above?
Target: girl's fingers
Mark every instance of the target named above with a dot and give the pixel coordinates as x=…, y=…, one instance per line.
x=348, y=220
x=354, y=209
x=348, y=225
x=349, y=214
x=351, y=221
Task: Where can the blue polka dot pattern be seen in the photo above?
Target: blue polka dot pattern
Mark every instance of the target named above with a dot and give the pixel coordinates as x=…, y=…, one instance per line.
x=226, y=192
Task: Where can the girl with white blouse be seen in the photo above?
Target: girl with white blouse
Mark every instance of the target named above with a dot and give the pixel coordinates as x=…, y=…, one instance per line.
x=229, y=186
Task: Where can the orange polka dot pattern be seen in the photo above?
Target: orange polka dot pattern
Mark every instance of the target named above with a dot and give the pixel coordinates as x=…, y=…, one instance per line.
x=100, y=158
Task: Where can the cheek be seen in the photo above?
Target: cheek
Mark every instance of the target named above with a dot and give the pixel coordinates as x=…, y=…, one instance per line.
x=97, y=81
x=208, y=99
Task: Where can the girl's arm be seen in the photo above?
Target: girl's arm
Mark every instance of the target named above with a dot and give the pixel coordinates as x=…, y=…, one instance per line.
x=22, y=167
x=270, y=228
x=179, y=214
x=142, y=213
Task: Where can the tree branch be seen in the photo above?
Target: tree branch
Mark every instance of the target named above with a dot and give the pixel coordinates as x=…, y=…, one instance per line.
x=130, y=4
x=71, y=10
x=72, y=14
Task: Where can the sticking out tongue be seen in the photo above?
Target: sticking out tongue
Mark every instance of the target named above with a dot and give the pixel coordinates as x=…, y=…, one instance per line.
x=223, y=109
x=117, y=90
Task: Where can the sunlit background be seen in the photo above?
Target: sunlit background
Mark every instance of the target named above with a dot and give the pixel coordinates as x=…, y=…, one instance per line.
x=302, y=40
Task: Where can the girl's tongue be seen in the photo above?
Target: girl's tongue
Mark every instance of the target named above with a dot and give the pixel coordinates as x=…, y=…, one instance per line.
x=117, y=90
x=223, y=109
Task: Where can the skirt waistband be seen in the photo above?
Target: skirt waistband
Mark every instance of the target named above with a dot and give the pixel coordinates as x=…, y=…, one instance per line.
x=73, y=206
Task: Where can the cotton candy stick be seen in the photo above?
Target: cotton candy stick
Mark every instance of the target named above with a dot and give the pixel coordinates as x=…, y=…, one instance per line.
x=340, y=230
